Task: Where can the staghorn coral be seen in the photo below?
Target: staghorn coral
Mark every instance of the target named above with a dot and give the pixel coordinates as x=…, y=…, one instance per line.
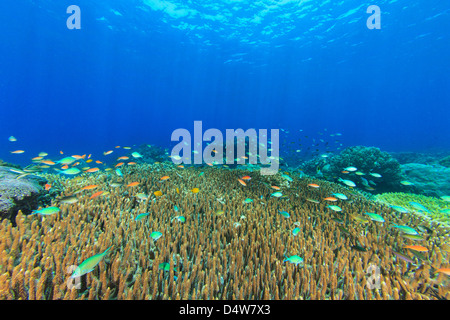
x=435, y=206
x=209, y=255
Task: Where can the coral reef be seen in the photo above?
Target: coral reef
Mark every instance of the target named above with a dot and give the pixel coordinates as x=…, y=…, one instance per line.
x=18, y=193
x=366, y=159
x=418, y=157
x=152, y=153
x=445, y=162
x=435, y=208
x=10, y=165
x=226, y=248
x=430, y=180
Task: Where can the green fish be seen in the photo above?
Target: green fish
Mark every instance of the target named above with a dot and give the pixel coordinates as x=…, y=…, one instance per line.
x=347, y=182
x=286, y=177
x=276, y=194
x=248, y=200
x=344, y=230
x=285, y=214
x=375, y=217
x=136, y=155
x=89, y=264
x=296, y=231
x=71, y=171
x=67, y=160
x=200, y=174
x=165, y=266
x=294, y=259
x=140, y=216
x=399, y=209
x=376, y=175
x=406, y=229
x=47, y=211
x=418, y=206
x=179, y=218
x=336, y=219
x=340, y=196
x=68, y=200
x=406, y=183
x=359, y=248
x=360, y=219
x=335, y=208
x=156, y=235
x=413, y=237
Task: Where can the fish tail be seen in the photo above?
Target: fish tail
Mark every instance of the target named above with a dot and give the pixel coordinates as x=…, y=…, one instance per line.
x=104, y=252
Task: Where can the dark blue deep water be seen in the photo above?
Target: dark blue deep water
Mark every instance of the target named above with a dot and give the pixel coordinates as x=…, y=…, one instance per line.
x=139, y=69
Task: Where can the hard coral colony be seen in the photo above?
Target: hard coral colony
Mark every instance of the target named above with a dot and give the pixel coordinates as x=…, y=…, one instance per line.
x=121, y=232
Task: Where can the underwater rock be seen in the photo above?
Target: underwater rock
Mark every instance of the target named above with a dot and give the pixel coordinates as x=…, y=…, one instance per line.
x=18, y=194
x=366, y=159
x=429, y=180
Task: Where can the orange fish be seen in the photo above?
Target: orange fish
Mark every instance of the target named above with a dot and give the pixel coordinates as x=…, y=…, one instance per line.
x=107, y=152
x=50, y=163
x=178, y=190
x=313, y=185
x=79, y=157
x=17, y=151
x=195, y=190
x=89, y=161
x=65, y=167
x=444, y=271
x=131, y=163
x=345, y=172
x=244, y=157
x=210, y=164
x=123, y=158
x=180, y=166
x=90, y=187
x=133, y=184
x=117, y=147
x=37, y=158
x=98, y=162
x=276, y=188
x=61, y=152
x=164, y=178
x=157, y=193
x=48, y=186
x=330, y=199
x=92, y=170
x=89, y=156
x=242, y=182
x=95, y=195
x=119, y=164
x=416, y=248
x=246, y=178
x=75, y=164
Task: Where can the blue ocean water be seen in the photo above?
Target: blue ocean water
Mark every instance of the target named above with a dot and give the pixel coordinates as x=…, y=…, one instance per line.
x=139, y=69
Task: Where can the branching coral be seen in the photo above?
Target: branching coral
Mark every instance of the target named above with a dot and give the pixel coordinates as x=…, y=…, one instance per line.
x=209, y=256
